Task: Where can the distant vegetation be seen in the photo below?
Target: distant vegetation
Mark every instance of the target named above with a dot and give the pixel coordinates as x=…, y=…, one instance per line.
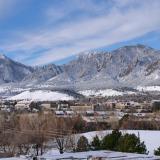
x=132, y=122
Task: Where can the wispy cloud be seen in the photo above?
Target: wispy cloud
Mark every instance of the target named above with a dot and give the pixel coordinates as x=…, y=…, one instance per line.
x=91, y=26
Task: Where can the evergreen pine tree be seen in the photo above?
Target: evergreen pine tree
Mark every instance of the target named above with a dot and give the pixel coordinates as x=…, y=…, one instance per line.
x=96, y=143
x=157, y=151
x=110, y=141
x=82, y=144
x=131, y=143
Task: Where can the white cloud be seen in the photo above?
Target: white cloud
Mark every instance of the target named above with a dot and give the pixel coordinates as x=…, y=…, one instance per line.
x=117, y=25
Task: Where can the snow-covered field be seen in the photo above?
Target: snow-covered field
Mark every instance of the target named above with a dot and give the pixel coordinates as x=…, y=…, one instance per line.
x=104, y=93
x=105, y=154
x=54, y=154
x=40, y=95
x=150, y=138
x=148, y=88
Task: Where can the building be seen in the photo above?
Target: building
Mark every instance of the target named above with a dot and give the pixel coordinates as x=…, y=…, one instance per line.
x=155, y=105
x=81, y=108
x=63, y=106
x=23, y=105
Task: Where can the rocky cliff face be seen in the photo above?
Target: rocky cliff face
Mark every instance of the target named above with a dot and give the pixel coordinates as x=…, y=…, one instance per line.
x=42, y=74
x=126, y=66
x=11, y=71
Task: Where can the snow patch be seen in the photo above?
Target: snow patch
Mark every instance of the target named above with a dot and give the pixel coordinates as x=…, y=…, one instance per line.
x=42, y=96
x=104, y=93
x=156, y=76
x=148, y=88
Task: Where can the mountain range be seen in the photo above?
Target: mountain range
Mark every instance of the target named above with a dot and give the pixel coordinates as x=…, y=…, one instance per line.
x=128, y=66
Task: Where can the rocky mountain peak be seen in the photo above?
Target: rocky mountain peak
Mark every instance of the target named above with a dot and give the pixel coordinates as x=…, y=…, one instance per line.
x=127, y=66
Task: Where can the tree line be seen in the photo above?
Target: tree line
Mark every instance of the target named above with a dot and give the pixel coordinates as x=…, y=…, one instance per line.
x=31, y=133
x=114, y=141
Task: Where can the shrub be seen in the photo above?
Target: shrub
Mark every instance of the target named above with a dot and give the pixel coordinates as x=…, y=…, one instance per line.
x=110, y=141
x=82, y=144
x=79, y=125
x=131, y=143
x=96, y=143
x=157, y=151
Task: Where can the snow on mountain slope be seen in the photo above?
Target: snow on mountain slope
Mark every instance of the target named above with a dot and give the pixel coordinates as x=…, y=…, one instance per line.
x=42, y=74
x=148, y=88
x=40, y=95
x=104, y=93
x=11, y=71
x=128, y=66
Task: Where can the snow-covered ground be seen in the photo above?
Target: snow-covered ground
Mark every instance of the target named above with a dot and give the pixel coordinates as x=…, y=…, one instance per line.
x=150, y=138
x=40, y=95
x=54, y=154
x=148, y=88
x=104, y=93
x=105, y=154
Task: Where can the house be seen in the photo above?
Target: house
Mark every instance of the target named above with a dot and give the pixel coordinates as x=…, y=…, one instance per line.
x=70, y=113
x=48, y=106
x=23, y=105
x=155, y=105
x=101, y=113
x=59, y=113
x=7, y=106
x=102, y=107
x=89, y=113
x=63, y=106
x=81, y=108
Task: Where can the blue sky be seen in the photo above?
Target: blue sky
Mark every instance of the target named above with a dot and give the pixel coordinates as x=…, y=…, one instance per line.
x=37, y=32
